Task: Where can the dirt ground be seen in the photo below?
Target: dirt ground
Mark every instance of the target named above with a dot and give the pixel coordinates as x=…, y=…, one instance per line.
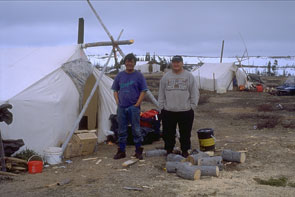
x=240, y=120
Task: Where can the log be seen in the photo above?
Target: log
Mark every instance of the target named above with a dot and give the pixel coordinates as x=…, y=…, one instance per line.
x=210, y=153
x=171, y=166
x=156, y=153
x=188, y=172
x=211, y=161
x=16, y=160
x=18, y=168
x=175, y=157
x=7, y=173
x=7, y=165
x=107, y=43
x=208, y=170
x=233, y=156
x=194, y=158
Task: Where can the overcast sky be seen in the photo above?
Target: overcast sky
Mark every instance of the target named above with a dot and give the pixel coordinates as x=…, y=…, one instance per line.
x=163, y=27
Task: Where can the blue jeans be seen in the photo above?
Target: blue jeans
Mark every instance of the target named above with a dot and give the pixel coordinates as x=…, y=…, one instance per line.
x=125, y=116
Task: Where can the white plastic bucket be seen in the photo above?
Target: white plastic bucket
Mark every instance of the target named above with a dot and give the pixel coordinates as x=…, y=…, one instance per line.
x=53, y=155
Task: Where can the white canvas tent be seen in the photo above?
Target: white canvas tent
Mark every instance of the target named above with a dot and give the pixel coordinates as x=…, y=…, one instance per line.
x=39, y=83
x=145, y=67
x=148, y=68
x=218, y=76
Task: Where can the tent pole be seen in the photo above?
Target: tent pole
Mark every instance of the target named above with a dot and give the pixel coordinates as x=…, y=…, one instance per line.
x=214, y=82
x=107, y=43
x=81, y=31
x=2, y=153
x=199, y=79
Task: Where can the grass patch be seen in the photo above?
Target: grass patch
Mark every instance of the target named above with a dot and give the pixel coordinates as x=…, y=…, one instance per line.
x=26, y=154
x=291, y=184
x=280, y=182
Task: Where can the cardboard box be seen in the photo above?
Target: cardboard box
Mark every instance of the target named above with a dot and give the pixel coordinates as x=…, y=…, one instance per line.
x=73, y=150
x=87, y=140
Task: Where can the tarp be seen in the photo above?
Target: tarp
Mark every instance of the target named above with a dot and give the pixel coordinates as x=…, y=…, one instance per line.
x=45, y=98
x=218, y=76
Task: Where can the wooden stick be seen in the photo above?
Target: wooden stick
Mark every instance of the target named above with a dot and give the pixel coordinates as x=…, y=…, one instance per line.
x=87, y=159
x=233, y=156
x=107, y=43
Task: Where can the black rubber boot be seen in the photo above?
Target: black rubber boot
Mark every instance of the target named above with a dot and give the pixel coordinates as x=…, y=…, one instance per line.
x=120, y=154
x=185, y=154
x=138, y=153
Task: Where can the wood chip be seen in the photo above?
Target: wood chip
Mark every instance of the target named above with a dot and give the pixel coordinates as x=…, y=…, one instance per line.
x=87, y=159
x=133, y=188
x=129, y=162
x=98, y=161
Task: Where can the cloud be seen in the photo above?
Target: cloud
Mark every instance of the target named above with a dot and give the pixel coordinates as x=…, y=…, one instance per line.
x=164, y=27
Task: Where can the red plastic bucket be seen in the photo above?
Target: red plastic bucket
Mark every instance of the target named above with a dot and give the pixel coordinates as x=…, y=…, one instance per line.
x=259, y=88
x=35, y=166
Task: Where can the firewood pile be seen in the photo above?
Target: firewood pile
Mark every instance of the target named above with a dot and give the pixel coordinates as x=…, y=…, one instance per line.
x=198, y=163
x=14, y=166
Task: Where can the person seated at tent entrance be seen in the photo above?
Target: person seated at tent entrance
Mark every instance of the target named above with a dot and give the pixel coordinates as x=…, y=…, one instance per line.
x=129, y=89
x=178, y=97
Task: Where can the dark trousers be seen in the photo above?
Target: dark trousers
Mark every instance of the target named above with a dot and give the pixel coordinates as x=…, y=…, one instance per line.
x=185, y=121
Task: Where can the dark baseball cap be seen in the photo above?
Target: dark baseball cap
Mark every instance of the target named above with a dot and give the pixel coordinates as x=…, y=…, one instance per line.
x=177, y=58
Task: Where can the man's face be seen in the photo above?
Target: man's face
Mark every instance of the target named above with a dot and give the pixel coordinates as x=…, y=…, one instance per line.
x=177, y=66
x=130, y=64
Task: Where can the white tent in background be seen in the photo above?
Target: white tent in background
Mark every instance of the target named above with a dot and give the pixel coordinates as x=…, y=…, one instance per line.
x=145, y=67
x=218, y=76
x=45, y=87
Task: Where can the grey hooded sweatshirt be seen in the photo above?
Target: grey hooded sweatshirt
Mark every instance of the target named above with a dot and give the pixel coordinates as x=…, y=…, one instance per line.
x=178, y=92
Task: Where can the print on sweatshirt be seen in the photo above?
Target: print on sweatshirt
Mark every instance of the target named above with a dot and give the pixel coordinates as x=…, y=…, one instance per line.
x=177, y=84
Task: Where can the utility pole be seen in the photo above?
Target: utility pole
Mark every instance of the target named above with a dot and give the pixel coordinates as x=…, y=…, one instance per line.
x=221, y=51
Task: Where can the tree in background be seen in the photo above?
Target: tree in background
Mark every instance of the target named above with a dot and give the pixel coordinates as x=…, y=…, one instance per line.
x=268, y=68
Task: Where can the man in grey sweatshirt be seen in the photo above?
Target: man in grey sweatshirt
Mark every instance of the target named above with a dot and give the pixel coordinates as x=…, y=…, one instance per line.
x=178, y=98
